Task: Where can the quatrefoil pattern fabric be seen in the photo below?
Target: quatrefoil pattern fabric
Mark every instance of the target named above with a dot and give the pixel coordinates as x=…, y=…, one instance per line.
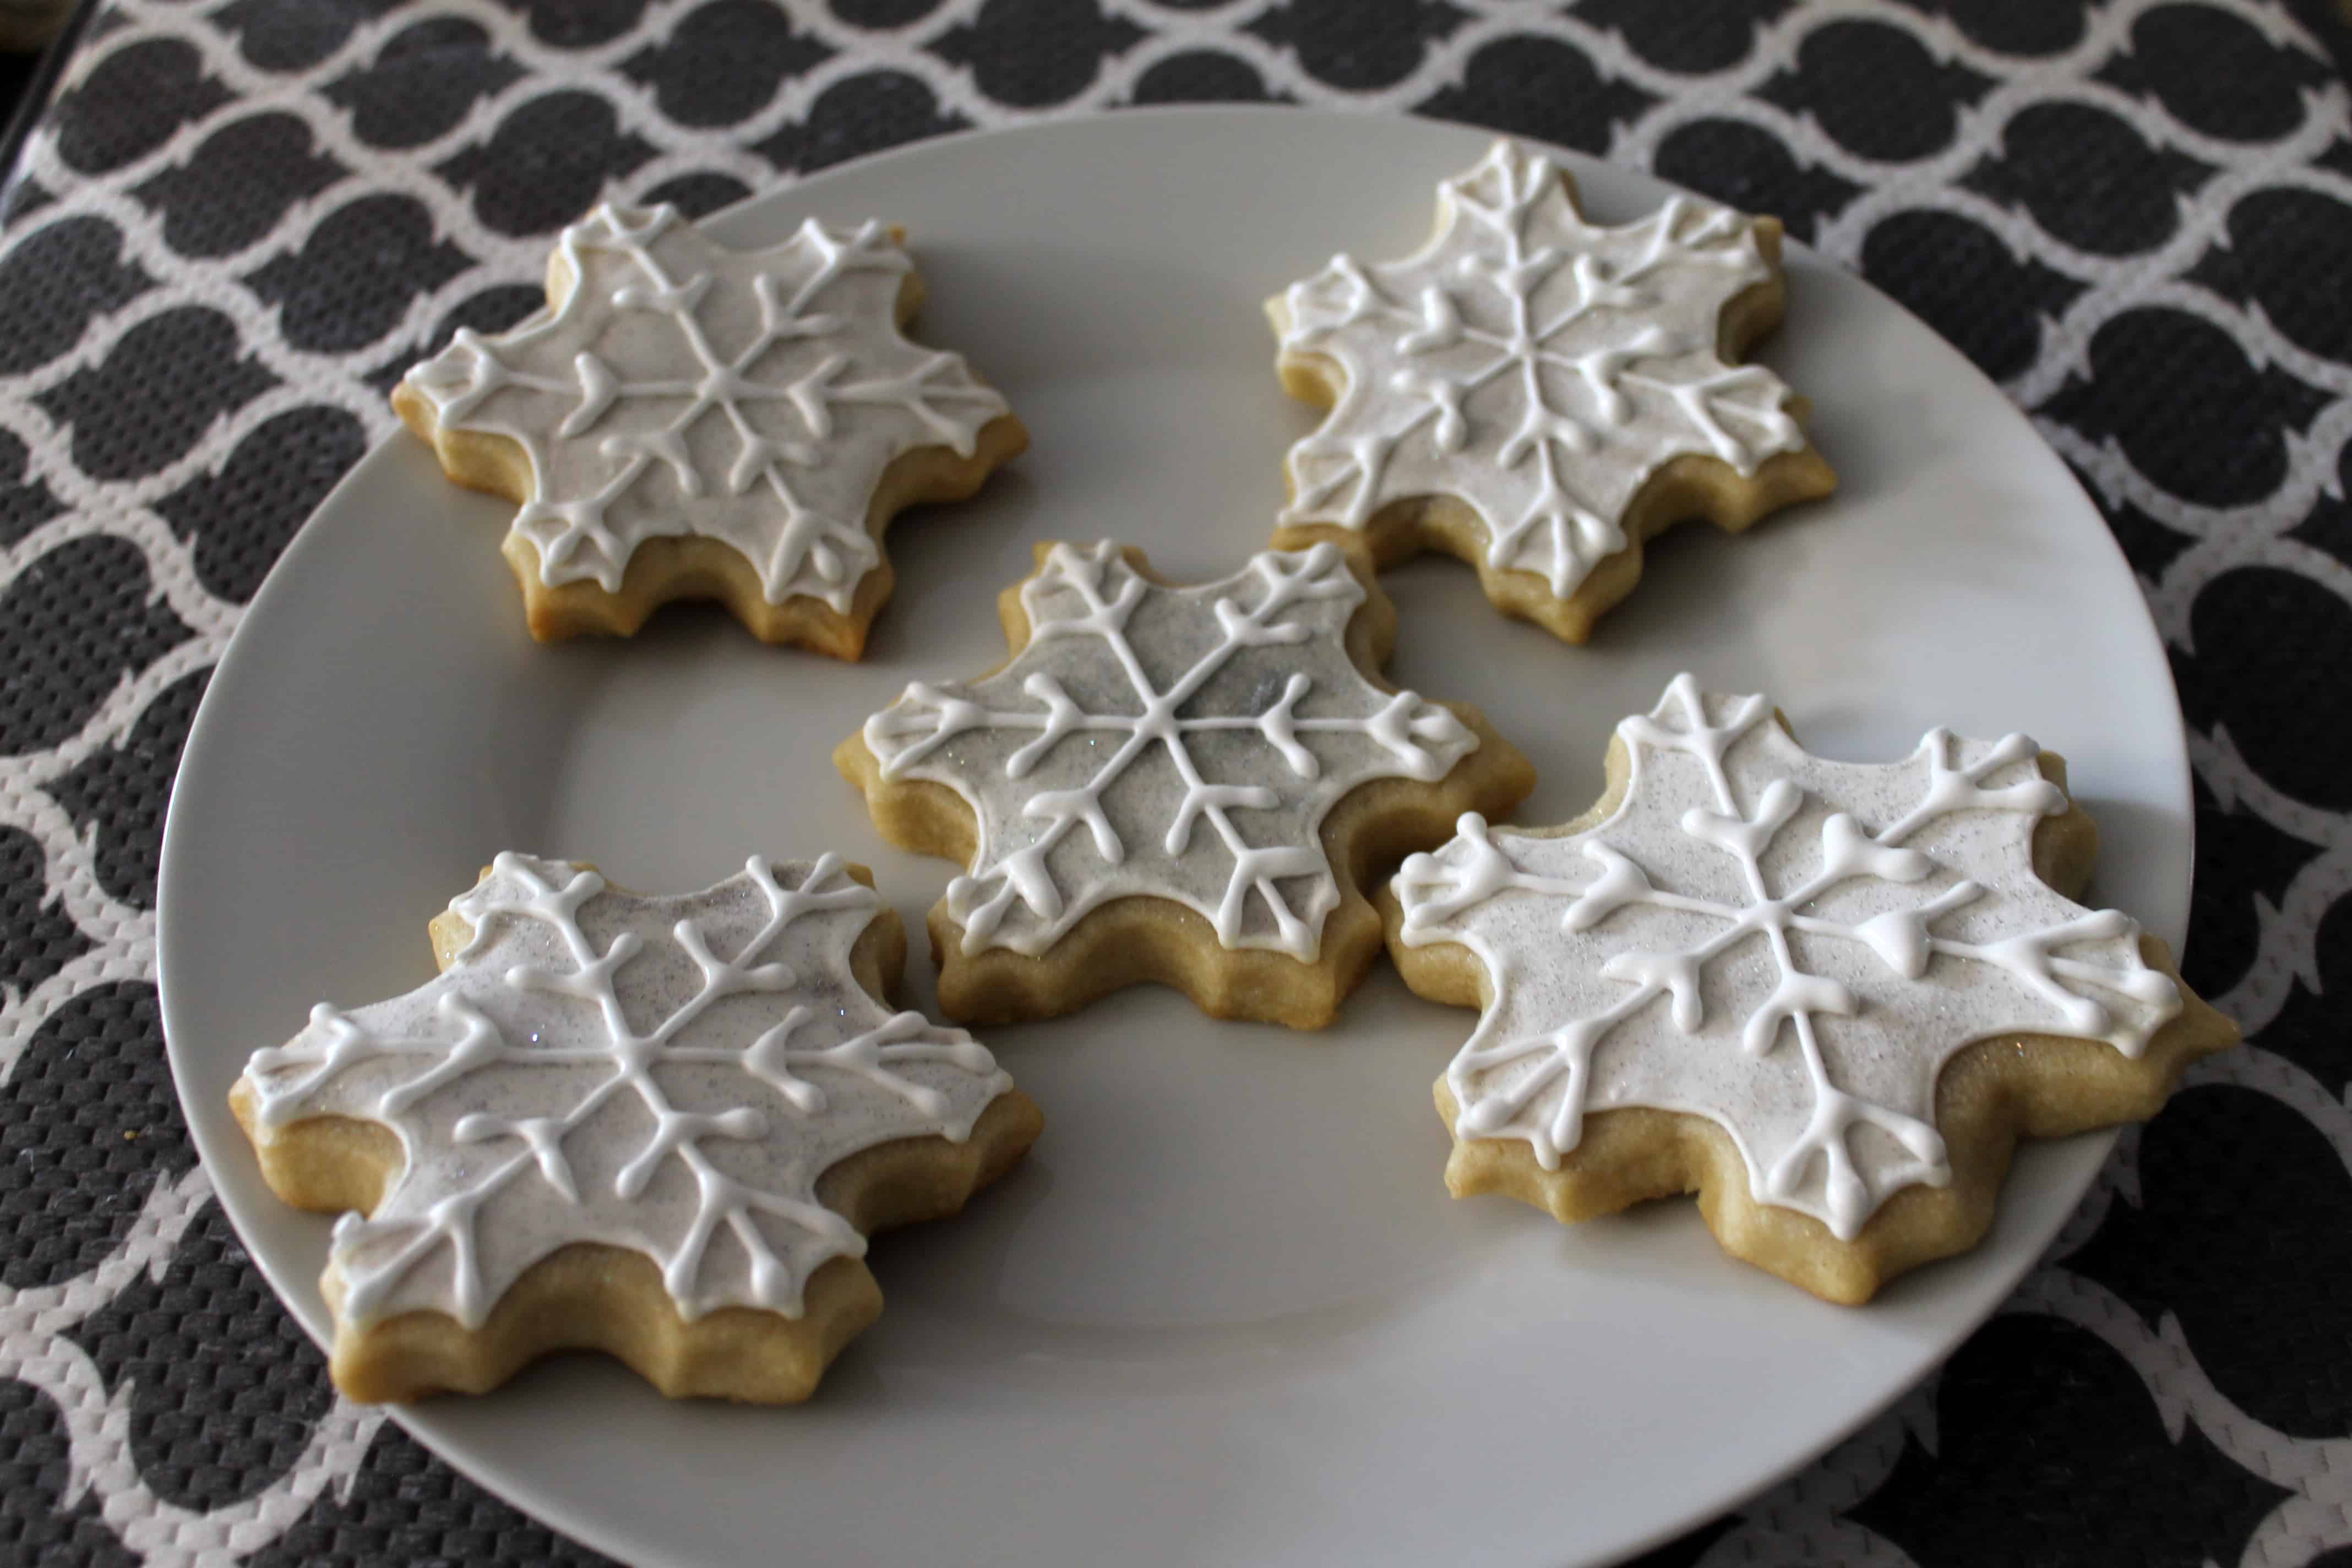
x=240, y=222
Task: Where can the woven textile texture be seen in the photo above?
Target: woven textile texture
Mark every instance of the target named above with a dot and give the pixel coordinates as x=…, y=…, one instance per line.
x=240, y=220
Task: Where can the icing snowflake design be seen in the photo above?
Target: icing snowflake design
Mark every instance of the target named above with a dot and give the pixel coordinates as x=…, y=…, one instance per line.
x=1788, y=946
x=668, y=1075
x=1180, y=742
x=1539, y=367
x=684, y=388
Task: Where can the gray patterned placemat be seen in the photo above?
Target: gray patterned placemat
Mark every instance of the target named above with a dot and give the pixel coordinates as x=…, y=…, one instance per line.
x=239, y=221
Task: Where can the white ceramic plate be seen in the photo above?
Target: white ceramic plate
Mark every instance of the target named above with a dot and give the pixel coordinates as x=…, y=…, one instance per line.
x=1226, y=1313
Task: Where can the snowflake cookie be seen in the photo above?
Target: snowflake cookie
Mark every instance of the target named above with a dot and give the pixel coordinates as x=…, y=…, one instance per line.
x=656, y=1127
x=1827, y=996
x=1180, y=784
x=1537, y=395
x=688, y=421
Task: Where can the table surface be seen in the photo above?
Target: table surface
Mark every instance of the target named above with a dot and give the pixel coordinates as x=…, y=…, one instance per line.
x=236, y=222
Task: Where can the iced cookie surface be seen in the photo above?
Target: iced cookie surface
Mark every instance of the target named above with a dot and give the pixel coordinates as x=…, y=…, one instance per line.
x=1826, y=996
x=656, y=1127
x=1179, y=783
x=1538, y=394
x=688, y=421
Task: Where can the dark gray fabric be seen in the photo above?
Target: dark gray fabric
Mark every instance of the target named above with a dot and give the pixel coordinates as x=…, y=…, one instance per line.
x=237, y=222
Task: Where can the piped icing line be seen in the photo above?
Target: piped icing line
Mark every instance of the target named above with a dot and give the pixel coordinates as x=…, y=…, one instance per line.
x=1790, y=946
x=754, y=398
x=670, y=1075
x=1536, y=366
x=1178, y=742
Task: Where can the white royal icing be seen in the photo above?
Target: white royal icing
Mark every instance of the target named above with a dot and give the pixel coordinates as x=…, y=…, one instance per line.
x=668, y=1075
x=753, y=397
x=1183, y=744
x=1791, y=947
x=1537, y=367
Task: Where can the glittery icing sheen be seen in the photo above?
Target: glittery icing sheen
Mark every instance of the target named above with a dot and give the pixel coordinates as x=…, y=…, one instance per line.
x=753, y=397
x=1536, y=366
x=1184, y=743
x=668, y=1075
x=1788, y=946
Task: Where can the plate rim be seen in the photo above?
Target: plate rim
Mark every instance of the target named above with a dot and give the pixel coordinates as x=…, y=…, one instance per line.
x=417, y=1420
